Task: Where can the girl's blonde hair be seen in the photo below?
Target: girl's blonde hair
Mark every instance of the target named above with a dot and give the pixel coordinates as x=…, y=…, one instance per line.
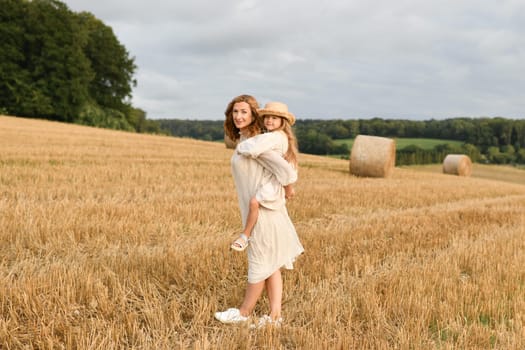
x=292, y=152
x=254, y=128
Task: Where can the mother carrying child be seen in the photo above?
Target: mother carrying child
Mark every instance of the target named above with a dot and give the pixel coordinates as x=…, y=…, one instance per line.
x=260, y=171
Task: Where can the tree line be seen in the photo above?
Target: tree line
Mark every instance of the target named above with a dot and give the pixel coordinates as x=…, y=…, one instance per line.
x=61, y=65
x=490, y=140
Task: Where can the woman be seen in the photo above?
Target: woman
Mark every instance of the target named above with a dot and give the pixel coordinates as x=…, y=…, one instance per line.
x=274, y=242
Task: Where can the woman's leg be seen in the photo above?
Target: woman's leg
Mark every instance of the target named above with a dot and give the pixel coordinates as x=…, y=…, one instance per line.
x=274, y=288
x=252, y=294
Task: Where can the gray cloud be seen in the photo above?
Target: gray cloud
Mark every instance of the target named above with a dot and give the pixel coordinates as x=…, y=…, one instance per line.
x=331, y=59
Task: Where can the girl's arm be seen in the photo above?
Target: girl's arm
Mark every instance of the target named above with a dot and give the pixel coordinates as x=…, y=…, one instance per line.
x=256, y=145
x=277, y=165
x=261, y=147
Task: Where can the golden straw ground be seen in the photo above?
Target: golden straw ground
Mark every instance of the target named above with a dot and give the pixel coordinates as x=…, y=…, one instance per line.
x=118, y=240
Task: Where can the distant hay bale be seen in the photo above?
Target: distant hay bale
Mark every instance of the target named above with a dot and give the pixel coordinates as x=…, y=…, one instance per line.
x=373, y=156
x=229, y=142
x=457, y=164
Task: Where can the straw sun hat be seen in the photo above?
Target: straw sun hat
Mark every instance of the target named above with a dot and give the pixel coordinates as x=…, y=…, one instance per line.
x=279, y=109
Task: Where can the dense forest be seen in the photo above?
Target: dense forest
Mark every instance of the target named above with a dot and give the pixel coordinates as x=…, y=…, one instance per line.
x=65, y=66
x=489, y=140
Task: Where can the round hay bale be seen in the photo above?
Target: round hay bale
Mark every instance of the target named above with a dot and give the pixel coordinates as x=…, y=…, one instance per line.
x=229, y=142
x=373, y=156
x=457, y=164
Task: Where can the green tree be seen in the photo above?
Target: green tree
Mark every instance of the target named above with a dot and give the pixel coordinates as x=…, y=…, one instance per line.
x=59, y=65
x=337, y=130
x=314, y=142
x=141, y=124
x=353, y=127
x=13, y=78
x=111, y=64
x=54, y=60
x=520, y=156
x=501, y=130
x=472, y=151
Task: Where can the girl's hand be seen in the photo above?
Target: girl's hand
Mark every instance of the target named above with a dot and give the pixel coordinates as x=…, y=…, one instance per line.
x=289, y=192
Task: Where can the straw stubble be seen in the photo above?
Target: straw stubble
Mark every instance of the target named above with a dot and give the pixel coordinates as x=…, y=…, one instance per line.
x=117, y=240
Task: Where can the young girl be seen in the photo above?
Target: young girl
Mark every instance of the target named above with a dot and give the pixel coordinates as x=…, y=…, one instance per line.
x=280, y=138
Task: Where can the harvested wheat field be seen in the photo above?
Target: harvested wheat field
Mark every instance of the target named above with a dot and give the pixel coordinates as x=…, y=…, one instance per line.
x=112, y=240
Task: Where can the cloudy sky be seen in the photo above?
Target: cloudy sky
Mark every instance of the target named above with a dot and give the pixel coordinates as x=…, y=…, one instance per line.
x=348, y=59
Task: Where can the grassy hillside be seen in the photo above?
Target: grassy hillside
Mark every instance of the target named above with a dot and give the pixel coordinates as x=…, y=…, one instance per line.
x=401, y=143
x=119, y=240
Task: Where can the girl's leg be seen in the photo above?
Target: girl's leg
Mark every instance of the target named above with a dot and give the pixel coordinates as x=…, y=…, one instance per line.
x=252, y=294
x=251, y=220
x=253, y=214
x=274, y=288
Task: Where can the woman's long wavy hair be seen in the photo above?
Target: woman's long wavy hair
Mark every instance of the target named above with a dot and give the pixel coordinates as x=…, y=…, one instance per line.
x=254, y=128
x=293, y=149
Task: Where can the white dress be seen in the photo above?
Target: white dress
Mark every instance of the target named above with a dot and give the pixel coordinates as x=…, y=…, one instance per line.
x=274, y=242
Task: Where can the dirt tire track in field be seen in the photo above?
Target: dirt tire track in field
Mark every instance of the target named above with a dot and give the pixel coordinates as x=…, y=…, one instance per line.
x=328, y=221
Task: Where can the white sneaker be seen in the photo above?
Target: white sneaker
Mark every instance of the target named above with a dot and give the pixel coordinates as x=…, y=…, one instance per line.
x=266, y=320
x=231, y=315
